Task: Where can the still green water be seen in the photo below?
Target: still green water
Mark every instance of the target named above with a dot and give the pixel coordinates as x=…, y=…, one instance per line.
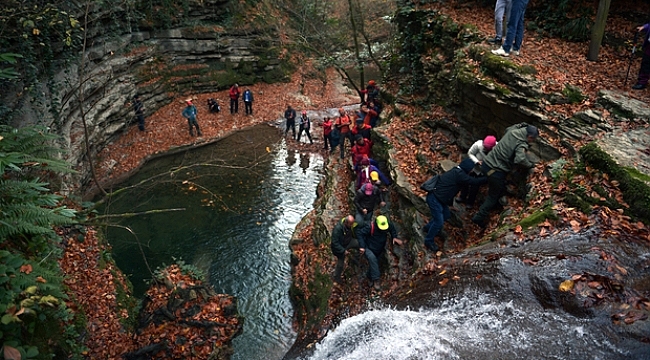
x=243, y=197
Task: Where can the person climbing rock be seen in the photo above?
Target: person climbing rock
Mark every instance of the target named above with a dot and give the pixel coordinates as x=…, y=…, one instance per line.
x=476, y=153
x=366, y=200
x=190, y=113
x=372, y=244
x=442, y=196
x=644, y=70
x=510, y=151
x=343, y=240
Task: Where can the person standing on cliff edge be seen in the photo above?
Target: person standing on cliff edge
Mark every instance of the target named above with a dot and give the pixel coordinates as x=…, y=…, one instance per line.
x=190, y=114
x=248, y=101
x=234, y=99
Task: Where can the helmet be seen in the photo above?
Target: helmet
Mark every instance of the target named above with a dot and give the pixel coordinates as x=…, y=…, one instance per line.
x=489, y=142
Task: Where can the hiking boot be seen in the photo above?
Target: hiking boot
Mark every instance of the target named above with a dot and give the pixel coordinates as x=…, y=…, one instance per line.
x=479, y=222
x=516, y=52
x=495, y=41
x=377, y=285
x=638, y=86
x=500, y=52
x=433, y=248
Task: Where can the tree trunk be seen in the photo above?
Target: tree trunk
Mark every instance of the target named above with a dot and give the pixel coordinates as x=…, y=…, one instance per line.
x=598, y=30
x=355, y=36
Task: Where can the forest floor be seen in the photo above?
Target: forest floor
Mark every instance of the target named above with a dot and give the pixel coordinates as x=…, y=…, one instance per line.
x=557, y=62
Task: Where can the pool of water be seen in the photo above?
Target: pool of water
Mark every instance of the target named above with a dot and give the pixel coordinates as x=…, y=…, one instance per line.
x=243, y=197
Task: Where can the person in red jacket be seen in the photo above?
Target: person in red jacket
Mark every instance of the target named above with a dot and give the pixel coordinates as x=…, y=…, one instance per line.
x=362, y=146
x=327, y=133
x=342, y=124
x=234, y=99
x=368, y=114
x=361, y=129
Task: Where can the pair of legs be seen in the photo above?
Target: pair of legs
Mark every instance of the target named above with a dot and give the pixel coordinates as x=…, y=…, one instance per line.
x=340, y=260
x=347, y=135
x=193, y=123
x=248, y=105
x=501, y=10
x=327, y=141
x=234, y=106
x=496, y=189
x=644, y=71
x=361, y=219
x=291, y=124
x=515, y=32
x=439, y=214
x=300, y=131
x=141, y=122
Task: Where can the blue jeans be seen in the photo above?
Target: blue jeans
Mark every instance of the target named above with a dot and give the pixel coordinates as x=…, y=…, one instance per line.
x=439, y=214
x=515, y=31
x=501, y=8
x=373, y=264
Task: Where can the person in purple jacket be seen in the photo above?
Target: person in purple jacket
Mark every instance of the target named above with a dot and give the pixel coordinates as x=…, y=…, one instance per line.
x=644, y=71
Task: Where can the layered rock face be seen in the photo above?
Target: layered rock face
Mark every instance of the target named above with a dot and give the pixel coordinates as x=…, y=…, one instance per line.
x=158, y=65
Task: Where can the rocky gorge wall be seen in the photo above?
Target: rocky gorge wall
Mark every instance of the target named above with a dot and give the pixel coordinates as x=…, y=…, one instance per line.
x=160, y=66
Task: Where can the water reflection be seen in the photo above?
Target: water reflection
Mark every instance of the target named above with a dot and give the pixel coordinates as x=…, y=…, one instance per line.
x=243, y=199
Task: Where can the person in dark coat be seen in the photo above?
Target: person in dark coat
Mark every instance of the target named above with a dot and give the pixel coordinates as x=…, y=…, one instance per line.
x=305, y=125
x=138, y=108
x=290, y=116
x=343, y=240
x=372, y=243
x=510, y=151
x=443, y=195
x=644, y=70
x=366, y=201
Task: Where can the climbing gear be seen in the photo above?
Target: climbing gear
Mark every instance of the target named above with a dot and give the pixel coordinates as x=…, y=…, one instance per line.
x=636, y=38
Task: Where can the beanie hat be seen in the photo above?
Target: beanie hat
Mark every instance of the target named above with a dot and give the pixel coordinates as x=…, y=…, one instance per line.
x=382, y=222
x=532, y=131
x=489, y=142
x=365, y=160
x=466, y=165
x=372, y=83
x=374, y=176
x=304, y=112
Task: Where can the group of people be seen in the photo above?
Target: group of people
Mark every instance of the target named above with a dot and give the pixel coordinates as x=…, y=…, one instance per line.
x=488, y=161
x=347, y=125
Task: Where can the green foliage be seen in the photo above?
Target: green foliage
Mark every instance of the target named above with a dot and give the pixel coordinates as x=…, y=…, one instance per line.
x=566, y=19
x=35, y=320
x=187, y=269
x=573, y=94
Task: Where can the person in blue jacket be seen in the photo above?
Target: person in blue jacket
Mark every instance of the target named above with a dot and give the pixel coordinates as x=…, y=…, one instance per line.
x=190, y=114
x=248, y=101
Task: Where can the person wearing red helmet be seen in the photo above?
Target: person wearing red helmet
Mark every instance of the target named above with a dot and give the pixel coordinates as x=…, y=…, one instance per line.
x=304, y=125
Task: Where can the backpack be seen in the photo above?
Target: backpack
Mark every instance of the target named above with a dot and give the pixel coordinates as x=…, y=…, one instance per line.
x=430, y=185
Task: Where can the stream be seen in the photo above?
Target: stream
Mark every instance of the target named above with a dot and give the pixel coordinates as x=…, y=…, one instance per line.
x=243, y=196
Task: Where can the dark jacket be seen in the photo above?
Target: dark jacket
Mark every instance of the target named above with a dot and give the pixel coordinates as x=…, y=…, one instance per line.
x=372, y=238
x=510, y=150
x=368, y=202
x=341, y=237
x=449, y=183
x=290, y=115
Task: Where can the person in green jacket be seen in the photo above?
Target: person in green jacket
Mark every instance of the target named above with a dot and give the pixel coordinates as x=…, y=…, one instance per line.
x=190, y=114
x=343, y=240
x=510, y=151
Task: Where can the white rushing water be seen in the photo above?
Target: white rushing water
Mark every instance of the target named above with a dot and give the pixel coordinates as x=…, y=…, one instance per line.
x=468, y=327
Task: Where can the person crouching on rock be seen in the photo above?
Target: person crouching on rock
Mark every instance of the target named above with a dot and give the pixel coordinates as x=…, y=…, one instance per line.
x=190, y=114
x=372, y=243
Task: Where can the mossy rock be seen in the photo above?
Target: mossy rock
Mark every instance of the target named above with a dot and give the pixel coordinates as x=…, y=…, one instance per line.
x=636, y=192
x=538, y=217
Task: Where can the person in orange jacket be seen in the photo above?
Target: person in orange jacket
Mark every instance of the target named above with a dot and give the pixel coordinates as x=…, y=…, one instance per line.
x=342, y=124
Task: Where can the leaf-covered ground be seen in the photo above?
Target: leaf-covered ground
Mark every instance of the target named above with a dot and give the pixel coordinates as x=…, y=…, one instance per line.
x=557, y=63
